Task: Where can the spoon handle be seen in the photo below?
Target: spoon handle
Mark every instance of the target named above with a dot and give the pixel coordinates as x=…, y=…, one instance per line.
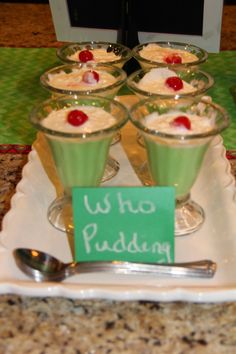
x=197, y=269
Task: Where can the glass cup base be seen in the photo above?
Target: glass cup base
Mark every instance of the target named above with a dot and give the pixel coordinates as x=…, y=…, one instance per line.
x=189, y=217
x=144, y=175
x=116, y=138
x=111, y=169
x=60, y=214
x=140, y=140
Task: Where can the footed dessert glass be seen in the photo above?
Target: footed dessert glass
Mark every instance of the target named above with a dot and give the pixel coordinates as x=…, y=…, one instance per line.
x=78, y=79
x=175, y=153
x=108, y=53
x=199, y=80
x=152, y=82
x=170, y=56
x=80, y=156
x=71, y=79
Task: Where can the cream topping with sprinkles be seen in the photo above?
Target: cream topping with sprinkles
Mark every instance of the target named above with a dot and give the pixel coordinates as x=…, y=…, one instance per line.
x=100, y=55
x=163, y=123
x=155, y=81
x=74, y=80
x=98, y=119
x=157, y=53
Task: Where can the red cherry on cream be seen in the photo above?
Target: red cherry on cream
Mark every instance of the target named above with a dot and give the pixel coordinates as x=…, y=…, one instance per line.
x=77, y=117
x=85, y=55
x=90, y=77
x=173, y=59
x=182, y=121
x=175, y=83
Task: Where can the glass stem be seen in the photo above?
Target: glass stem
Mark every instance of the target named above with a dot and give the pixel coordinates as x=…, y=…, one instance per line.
x=180, y=201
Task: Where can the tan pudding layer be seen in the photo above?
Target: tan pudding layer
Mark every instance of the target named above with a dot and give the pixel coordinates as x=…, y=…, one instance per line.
x=74, y=80
x=155, y=82
x=98, y=119
x=154, y=52
x=100, y=55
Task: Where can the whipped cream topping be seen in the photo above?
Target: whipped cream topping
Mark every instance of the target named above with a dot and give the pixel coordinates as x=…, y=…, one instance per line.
x=157, y=53
x=100, y=55
x=98, y=119
x=163, y=123
x=155, y=81
x=73, y=80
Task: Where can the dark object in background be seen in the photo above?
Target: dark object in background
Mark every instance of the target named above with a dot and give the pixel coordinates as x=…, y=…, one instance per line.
x=118, y=15
x=144, y=14
x=128, y=32
x=131, y=16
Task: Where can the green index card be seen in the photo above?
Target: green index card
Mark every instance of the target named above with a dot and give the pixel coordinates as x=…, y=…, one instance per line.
x=124, y=223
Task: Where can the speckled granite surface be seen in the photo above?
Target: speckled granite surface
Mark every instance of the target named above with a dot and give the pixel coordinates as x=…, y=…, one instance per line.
x=10, y=172
x=57, y=325
x=53, y=326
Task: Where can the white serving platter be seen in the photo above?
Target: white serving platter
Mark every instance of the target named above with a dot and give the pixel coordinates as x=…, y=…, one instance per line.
x=26, y=225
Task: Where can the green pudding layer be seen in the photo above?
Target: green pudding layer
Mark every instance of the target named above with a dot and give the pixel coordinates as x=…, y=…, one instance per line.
x=80, y=163
x=175, y=164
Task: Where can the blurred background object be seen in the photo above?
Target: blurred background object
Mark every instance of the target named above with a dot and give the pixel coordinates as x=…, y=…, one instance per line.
x=35, y=28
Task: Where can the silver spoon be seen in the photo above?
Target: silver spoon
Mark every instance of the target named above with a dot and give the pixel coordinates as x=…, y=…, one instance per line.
x=42, y=266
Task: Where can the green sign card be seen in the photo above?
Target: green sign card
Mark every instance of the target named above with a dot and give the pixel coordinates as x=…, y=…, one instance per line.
x=124, y=223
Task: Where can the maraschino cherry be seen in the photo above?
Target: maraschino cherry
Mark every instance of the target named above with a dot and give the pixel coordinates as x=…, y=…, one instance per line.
x=174, y=82
x=90, y=77
x=77, y=117
x=85, y=55
x=182, y=121
x=173, y=59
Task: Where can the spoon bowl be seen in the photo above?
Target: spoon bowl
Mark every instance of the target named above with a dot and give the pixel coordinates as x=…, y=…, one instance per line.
x=42, y=266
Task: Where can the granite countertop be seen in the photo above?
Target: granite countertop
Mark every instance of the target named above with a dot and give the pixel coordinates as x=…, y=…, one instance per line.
x=58, y=325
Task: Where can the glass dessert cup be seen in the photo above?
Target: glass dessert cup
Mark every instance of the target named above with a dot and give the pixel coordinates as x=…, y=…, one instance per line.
x=67, y=80
x=69, y=52
x=145, y=63
x=199, y=80
x=175, y=159
x=75, y=85
x=80, y=157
